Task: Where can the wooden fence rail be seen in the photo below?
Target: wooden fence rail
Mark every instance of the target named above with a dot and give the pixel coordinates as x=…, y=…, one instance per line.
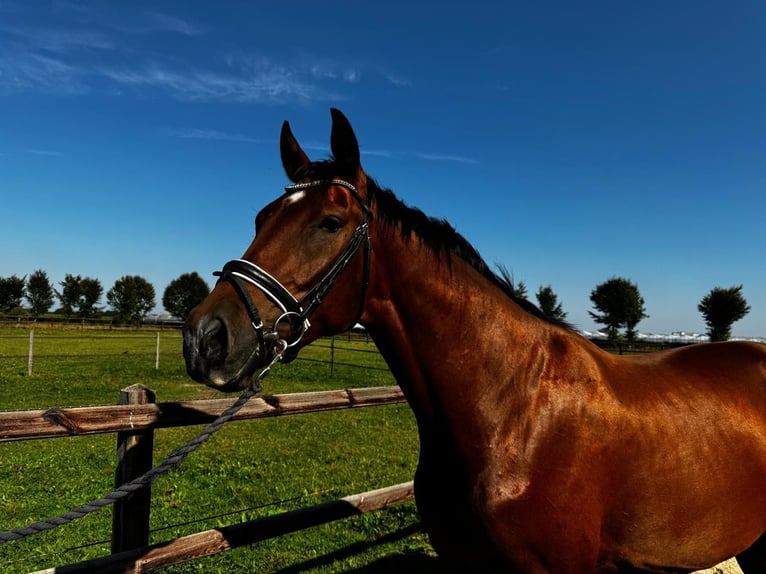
x=58, y=422
x=208, y=542
x=134, y=421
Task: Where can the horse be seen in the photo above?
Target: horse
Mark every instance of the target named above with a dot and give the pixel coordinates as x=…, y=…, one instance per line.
x=540, y=453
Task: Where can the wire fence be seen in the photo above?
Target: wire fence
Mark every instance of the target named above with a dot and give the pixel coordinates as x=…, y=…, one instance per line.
x=245, y=513
x=43, y=345
x=101, y=322
x=30, y=347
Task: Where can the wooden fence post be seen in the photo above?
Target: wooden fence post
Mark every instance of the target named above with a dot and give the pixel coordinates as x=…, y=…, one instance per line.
x=31, y=356
x=130, y=518
x=157, y=353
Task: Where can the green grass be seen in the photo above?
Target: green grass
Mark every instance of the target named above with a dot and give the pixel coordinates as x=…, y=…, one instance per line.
x=249, y=469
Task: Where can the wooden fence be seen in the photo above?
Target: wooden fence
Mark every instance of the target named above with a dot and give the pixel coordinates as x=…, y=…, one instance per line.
x=135, y=420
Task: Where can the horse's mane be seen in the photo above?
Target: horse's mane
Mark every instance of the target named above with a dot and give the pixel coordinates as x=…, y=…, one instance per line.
x=436, y=234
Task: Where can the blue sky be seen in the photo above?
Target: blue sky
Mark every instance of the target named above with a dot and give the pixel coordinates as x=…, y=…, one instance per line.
x=570, y=142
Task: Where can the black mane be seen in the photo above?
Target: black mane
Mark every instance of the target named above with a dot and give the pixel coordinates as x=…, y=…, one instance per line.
x=436, y=234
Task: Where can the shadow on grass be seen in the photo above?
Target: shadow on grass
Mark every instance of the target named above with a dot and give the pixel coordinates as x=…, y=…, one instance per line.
x=415, y=562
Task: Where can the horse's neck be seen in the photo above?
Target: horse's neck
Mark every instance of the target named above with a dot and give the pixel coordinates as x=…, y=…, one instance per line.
x=448, y=334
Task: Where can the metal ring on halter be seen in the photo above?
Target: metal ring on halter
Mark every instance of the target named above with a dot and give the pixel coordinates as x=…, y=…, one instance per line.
x=288, y=316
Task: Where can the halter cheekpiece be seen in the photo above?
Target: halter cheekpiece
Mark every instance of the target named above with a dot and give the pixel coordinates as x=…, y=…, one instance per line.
x=296, y=312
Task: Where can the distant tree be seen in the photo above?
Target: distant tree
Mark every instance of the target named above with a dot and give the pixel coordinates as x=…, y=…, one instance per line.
x=721, y=308
x=90, y=293
x=11, y=292
x=518, y=290
x=79, y=293
x=184, y=293
x=39, y=292
x=620, y=304
x=70, y=293
x=549, y=304
x=131, y=298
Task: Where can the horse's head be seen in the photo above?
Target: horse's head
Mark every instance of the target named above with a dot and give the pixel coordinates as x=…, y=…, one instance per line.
x=303, y=276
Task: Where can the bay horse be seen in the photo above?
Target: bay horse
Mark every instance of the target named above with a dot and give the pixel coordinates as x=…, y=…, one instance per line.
x=539, y=452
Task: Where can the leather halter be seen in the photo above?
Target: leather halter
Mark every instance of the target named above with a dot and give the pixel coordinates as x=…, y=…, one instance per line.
x=296, y=312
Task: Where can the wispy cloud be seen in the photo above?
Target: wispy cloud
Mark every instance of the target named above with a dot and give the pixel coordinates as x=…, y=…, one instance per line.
x=331, y=70
x=98, y=53
x=42, y=73
x=207, y=134
x=42, y=152
x=169, y=23
x=446, y=158
x=376, y=152
x=309, y=146
x=268, y=84
x=59, y=41
x=398, y=81
x=217, y=135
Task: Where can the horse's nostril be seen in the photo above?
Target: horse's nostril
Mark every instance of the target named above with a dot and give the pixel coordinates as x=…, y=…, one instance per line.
x=205, y=347
x=213, y=342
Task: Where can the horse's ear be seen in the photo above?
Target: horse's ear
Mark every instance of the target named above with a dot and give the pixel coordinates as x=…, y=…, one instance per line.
x=343, y=144
x=293, y=157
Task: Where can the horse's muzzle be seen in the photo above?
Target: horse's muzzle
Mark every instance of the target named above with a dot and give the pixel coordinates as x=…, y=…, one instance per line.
x=213, y=357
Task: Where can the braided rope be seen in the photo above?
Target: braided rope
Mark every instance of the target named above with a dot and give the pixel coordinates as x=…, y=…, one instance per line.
x=171, y=461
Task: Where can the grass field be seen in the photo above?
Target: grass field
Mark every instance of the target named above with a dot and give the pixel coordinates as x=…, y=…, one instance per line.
x=250, y=469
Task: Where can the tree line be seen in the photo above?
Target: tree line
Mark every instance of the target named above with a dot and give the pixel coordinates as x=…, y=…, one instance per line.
x=620, y=307
x=618, y=303
x=129, y=300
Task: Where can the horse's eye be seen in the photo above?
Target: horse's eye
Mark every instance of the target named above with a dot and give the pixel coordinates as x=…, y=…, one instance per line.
x=331, y=224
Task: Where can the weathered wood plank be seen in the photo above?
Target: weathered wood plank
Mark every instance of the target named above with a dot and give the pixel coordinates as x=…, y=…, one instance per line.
x=57, y=422
x=209, y=542
x=375, y=395
x=130, y=517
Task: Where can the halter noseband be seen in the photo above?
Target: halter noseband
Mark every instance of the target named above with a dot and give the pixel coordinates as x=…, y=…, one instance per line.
x=296, y=313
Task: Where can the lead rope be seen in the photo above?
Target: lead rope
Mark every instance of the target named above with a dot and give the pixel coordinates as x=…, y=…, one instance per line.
x=173, y=459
